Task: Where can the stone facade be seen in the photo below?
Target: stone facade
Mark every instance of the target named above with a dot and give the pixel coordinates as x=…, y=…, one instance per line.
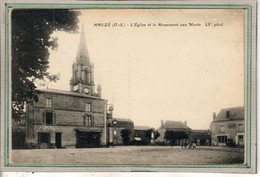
x=228, y=127
x=66, y=115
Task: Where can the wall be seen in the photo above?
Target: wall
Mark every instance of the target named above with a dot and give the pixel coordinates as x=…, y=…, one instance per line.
x=230, y=132
x=68, y=112
x=70, y=103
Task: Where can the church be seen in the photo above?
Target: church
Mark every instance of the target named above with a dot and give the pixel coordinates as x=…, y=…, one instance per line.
x=69, y=119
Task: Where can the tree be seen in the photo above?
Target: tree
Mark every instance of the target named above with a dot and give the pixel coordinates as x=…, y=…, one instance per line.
x=174, y=135
x=31, y=40
x=156, y=134
x=148, y=133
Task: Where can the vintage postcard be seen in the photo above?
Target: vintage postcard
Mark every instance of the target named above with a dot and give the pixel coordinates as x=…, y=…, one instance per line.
x=128, y=86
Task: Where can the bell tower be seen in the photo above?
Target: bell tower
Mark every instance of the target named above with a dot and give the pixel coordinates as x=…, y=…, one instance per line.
x=82, y=80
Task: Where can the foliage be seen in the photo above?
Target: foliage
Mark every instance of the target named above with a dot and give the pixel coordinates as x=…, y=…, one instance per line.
x=201, y=136
x=149, y=133
x=125, y=134
x=31, y=40
x=173, y=135
x=156, y=135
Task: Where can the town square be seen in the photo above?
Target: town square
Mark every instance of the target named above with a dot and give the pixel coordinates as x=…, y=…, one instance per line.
x=132, y=155
x=95, y=101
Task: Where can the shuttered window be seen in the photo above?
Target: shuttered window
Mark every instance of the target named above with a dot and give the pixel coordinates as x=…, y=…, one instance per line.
x=49, y=118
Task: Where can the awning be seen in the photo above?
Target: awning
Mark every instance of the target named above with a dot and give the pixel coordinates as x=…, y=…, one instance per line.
x=88, y=129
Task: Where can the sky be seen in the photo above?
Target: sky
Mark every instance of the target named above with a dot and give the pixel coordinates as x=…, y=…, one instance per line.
x=154, y=73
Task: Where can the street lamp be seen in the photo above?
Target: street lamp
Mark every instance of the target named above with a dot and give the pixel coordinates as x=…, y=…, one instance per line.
x=114, y=123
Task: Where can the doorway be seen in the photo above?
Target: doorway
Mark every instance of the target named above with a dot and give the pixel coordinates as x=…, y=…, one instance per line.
x=44, y=140
x=58, y=140
x=88, y=139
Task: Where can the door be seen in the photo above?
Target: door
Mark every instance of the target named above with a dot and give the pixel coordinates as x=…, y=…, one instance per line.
x=88, y=139
x=240, y=140
x=58, y=140
x=44, y=140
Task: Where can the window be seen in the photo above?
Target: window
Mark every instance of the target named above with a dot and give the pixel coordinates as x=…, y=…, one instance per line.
x=88, y=106
x=49, y=102
x=44, y=138
x=240, y=137
x=222, y=128
x=222, y=139
x=87, y=77
x=49, y=118
x=89, y=120
x=231, y=125
x=240, y=127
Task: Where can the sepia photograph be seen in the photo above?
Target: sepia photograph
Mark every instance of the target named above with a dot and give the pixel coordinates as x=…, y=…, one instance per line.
x=128, y=87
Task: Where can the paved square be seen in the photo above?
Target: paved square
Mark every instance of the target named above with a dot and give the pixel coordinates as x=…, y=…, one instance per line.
x=150, y=155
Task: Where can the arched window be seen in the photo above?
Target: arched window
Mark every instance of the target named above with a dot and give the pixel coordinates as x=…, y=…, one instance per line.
x=76, y=75
x=86, y=76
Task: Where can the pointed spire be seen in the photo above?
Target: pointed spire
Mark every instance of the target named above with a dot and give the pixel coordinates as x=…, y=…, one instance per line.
x=99, y=90
x=99, y=87
x=82, y=54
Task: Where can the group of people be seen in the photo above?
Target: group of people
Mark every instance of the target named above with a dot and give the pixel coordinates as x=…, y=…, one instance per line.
x=189, y=145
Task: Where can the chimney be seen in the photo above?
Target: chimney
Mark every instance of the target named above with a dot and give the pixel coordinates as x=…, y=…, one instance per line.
x=161, y=122
x=214, y=116
x=185, y=122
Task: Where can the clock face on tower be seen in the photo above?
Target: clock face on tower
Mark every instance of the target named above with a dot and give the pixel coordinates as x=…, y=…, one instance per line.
x=86, y=90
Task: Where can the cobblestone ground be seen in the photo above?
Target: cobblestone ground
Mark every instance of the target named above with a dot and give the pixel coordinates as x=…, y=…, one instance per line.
x=154, y=155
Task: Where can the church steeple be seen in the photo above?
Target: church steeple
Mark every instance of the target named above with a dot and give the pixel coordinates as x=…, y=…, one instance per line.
x=82, y=54
x=82, y=70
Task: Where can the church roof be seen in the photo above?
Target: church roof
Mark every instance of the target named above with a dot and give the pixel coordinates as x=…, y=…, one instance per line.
x=82, y=54
x=64, y=92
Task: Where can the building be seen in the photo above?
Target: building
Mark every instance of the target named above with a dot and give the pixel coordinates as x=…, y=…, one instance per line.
x=143, y=135
x=120, y=131
x=228, y=127
x=69, y=119
x=175, y=126
x=200, y=137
